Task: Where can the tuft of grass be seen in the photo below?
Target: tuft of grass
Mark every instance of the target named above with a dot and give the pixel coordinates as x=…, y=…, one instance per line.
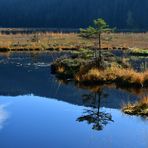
x=138, y=108
x=122, y=76
x=60, y=69
x=129, y=76
x=92, y=75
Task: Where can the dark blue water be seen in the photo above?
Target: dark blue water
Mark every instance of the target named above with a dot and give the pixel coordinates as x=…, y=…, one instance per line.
x=38, y=111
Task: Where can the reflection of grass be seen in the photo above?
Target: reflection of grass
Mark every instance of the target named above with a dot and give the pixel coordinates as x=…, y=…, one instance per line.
x=138, y=108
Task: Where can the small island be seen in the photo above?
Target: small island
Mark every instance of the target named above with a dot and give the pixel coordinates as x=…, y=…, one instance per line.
x=138, y=108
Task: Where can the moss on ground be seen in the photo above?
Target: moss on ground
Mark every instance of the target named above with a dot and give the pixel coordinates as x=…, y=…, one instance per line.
x=67, y=68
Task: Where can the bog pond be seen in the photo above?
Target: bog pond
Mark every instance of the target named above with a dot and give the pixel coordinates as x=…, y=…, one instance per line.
x=39, y=111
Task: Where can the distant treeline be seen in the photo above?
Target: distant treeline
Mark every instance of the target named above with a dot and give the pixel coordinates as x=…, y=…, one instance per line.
x=123, y=14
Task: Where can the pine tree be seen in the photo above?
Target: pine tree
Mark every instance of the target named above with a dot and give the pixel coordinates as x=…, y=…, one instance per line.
x=95, y=32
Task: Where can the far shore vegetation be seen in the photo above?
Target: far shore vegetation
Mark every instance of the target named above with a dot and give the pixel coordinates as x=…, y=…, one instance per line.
x=69, y=41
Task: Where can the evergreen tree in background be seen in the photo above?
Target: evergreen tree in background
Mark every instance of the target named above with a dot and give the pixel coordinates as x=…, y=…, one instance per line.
x=74, y=13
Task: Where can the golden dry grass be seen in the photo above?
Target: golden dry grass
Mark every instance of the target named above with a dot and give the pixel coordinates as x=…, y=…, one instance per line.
x=72, y=40
x=60, y=69
x=138, y=108
x=113, y=74
x=43, y=41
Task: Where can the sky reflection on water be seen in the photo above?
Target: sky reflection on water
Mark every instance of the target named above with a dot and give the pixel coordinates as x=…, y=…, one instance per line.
x=43, y=123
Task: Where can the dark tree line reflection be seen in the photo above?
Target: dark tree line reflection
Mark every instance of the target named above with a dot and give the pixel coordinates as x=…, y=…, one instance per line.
x=94, y=116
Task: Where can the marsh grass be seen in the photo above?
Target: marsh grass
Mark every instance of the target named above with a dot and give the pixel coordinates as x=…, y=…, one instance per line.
x=60, y=69
x=67, y=67
x=67, y=41
x=122, y=76
x=45, y=41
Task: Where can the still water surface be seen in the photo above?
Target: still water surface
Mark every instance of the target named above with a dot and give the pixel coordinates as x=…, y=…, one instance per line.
x=38, y=111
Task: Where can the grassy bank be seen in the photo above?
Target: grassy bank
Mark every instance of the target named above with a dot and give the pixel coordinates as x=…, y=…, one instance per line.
x=139, y=52
x=138, y=108
x=69, y=41
x=121, y=76
x=67, y=67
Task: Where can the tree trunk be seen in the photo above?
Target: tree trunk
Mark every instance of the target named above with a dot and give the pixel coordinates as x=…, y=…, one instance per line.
x=95, y=50
x=100, y=56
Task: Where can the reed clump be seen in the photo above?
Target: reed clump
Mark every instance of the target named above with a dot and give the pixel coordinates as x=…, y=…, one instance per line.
x=119, y=75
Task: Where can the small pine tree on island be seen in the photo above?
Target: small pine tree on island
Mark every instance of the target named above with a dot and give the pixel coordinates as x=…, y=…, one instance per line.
x=95, y=32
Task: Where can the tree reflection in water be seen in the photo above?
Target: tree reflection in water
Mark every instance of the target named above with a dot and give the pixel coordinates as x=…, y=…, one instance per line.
x=94, y=116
